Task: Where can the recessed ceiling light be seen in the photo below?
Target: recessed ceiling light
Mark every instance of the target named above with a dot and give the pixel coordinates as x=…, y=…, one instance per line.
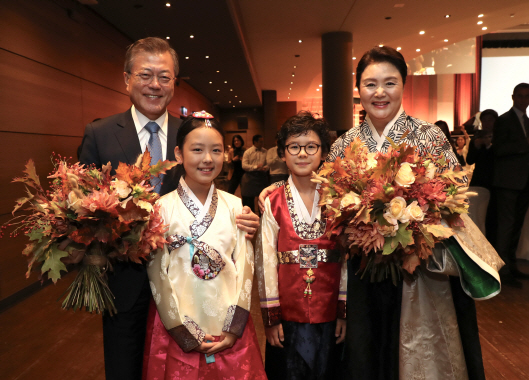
x=167, y=5
x=447, y=16
x=293, y=74
x=235, y=95
x=422, y=32
x=288, y=97
x=291, y=82
x=191, y=36
x=225, y=81
x=187, y=57
x=481, y=15
x=167, y=38
x=234, y=105
x=398, y=49
x=320, y=85
x=231, y=89
x=317, y=89
x=484, y=28
x=210, y=82
x=480, y=22
x=229, y=101
x=380, y=45
x=207, y=56
x=354, y=58
x=218, y=90
x=217, y=70
x=294, y=66
x=300, y=41
x=240, y=101
x=289, y=93
x=512, y=14
x=417, y=49
x=290, y=88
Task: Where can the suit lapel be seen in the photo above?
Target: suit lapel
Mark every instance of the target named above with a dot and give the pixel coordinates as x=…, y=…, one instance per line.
x=127, y=137
x=516, y=122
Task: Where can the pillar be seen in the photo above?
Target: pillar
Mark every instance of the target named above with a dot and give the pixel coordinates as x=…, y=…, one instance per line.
x=270, y=118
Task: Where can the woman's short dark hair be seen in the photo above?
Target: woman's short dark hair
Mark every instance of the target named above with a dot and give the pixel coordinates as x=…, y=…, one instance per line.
x=443, y=126
x=233, y=140
x=190, y=124
x=301, y=124
x=378, y=55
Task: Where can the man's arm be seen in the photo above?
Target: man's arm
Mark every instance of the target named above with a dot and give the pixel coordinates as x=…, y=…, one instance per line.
x=89, y=150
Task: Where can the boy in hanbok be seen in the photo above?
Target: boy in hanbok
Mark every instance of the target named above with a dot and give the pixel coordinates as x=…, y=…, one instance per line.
x=302, y=275
x=202, y=280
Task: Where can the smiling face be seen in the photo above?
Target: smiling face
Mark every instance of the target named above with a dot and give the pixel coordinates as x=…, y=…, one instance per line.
x=150, y=99
x=381, y=91
x=202, y=156
x=302, y=165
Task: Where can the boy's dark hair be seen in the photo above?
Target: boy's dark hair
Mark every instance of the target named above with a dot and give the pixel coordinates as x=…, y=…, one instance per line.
x=256, y=138
x=191, y=123
x=301, y=124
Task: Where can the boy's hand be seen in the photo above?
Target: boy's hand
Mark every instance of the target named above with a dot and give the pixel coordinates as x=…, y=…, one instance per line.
x=340, y=330
x=247, y=222
x=264, y=194
x=274, y=335
x=227, y=340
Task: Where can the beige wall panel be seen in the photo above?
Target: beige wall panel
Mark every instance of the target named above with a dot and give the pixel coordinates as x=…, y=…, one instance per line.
x=100, y=102
x=17, y=149
x=36, y=98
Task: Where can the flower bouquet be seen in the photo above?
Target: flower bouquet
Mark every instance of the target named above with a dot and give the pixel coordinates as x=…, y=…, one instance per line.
x=92, y=217
x=392, y=207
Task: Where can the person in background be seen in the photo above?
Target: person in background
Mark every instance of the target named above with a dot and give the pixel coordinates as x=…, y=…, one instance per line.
x=510, y=143
x=461, y=143
x=443, y=126
x=278, y=168
x=235, y=155
x=255, y=178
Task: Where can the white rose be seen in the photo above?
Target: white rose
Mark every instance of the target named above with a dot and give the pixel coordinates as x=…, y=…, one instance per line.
x=396, y=207
x=122, y=188
x=405, y=176
x=413, y=212
x=74, y=202
x=350, y=198
x=371, y=161
x=430, y=171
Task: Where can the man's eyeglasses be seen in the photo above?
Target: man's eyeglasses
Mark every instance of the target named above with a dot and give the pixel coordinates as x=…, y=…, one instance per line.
x=311, y=149
x=146, y=78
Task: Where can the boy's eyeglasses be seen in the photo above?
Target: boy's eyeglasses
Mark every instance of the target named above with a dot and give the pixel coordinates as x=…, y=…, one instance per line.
x=295, y=149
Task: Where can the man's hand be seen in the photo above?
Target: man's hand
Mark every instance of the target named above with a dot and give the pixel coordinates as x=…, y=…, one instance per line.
x=227, y=340
x=205, y=347
x=264, y=194
x=340, y=330
x=274, y=335
x=247, y=222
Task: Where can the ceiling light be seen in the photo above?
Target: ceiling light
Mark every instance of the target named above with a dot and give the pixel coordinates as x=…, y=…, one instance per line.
x=317, y=89
x=422, y=32
x=233, y=105
x=225, y=81
x=294, y=66
x=447, y=16
x=167, y=5
x=217, y=70
x=484, y=28
x=480, y=22
x=229, y=101
x=187, y=57
x=167, y=38
x=398, y=49
x=288, y=97
x=481, y=15
x=290, y=88
x=417, y=49
x=218, y=90
x=512, y=14
x=446, y=40
x=240, y=101
x=289, y=93
x=380, y=45
x=291, y=82
x=231, y=89
x=210, y=82
x=292, y=74
x=235, y=95
x=191, y=36
x=354, y=58
x=320, y=85
x=300, y=41
x=207, y=56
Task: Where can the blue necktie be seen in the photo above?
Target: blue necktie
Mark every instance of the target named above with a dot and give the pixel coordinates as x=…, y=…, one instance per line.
x=155, y=148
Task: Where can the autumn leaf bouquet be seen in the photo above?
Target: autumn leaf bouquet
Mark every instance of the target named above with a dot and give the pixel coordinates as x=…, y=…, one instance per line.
x=89, y=217
x=391, y=208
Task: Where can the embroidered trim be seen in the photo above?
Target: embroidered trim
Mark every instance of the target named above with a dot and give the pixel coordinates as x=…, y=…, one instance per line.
x=303, y=230
x=271, y=316
x=342, y=310
x=199, y=227
x=184, y=338
x=236, y=319
x=188, y=202
x=324, y=256
x=269, y=302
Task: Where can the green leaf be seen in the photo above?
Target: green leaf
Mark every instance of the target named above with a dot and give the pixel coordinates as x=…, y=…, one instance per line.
x=36, y=234
x=403, y=237
x=53, y=263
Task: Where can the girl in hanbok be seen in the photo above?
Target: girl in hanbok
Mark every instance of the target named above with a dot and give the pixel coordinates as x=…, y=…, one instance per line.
x=201, y=280
x=302, y=276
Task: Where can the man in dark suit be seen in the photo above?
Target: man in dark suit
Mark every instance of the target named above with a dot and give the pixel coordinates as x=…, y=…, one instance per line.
x=511, y=179
x=151, y=67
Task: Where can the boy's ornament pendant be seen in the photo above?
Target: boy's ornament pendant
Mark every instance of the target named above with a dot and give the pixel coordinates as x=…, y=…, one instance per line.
x=309, y=279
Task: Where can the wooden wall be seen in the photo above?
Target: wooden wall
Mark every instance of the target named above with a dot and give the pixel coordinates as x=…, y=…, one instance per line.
x=61, y=66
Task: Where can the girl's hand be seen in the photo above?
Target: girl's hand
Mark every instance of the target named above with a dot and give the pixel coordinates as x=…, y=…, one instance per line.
x=227, y=340
x=340, y=330
x=274, y=335
x=205, y=347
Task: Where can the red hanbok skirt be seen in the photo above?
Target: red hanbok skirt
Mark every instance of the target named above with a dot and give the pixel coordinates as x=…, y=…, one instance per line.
x=164, y=359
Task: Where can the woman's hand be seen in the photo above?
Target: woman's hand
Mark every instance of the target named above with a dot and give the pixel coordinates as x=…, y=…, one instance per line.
x=236, y=158
x=264, y=194
x=227, y=340
x=247, y=222
x=274, y=335
x=205, y=347
x=340, y=330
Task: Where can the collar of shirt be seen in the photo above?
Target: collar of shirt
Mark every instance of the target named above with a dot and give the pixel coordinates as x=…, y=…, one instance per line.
x=204, y=208
x=140, y=120
x=380, y=139
x=299, y=205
